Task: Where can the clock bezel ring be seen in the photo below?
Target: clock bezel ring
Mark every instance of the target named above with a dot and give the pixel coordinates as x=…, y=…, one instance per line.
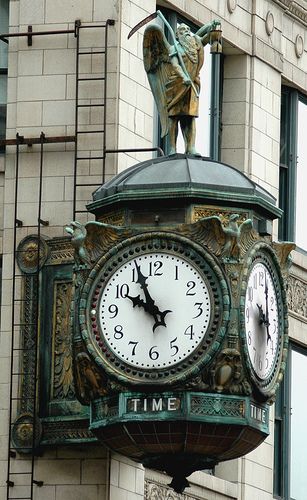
x=108, y=264
x=263, y=253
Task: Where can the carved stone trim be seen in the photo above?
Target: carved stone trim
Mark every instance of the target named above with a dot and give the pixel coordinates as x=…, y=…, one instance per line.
x=297, y=297
x=294, y=9
x=269, y=23
x=299, y=46
x=231, y=5
x=155, y=491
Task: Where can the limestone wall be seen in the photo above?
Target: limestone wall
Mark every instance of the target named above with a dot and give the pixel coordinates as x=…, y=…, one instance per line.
x=264, y=46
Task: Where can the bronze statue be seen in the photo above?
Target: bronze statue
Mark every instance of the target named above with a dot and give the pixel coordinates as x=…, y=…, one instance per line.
x=173, y=74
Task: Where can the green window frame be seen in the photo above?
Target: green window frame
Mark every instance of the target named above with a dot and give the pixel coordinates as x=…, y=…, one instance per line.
x=215, y=128
x=290, y=166
x=289, y=439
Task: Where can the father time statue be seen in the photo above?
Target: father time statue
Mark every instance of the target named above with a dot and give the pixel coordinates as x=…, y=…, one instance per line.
x=173, y=74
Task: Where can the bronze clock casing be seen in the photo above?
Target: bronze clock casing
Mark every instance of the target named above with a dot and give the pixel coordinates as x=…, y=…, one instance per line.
x=141, y=244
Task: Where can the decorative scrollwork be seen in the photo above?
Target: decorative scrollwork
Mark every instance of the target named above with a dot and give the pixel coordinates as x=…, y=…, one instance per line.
x=155, y=491
x=63, y=376
x=227, y=374
x=30, y=253
x=22, y=433
x=225, y=407
x=297, y=296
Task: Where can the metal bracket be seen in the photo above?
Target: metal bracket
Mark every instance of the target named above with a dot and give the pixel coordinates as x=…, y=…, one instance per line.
x=29, y=36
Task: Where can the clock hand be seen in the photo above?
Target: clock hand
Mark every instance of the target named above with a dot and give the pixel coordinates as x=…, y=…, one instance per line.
x=266, y=323
x=149, y=304
x=262, y=319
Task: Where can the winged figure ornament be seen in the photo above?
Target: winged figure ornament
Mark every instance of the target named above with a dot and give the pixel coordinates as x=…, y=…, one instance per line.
x=226, y=241
x=173, y=75
x=93, y=239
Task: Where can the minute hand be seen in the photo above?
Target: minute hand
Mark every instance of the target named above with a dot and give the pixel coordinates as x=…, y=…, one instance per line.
x=150, y=306
x=266, y=322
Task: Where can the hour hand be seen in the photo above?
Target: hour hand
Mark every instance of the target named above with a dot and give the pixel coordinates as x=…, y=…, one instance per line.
x=159, y=316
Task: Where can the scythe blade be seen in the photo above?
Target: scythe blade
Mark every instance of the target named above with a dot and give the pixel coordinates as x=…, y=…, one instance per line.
x=142, y=23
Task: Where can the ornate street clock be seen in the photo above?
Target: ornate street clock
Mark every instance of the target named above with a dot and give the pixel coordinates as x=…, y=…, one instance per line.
x=157, y=311
x=180, y=317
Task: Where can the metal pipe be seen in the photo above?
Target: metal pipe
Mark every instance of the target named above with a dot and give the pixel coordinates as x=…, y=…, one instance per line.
x=135, y=150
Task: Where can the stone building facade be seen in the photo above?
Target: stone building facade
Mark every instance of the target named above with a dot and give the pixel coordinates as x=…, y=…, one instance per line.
x=263, y=100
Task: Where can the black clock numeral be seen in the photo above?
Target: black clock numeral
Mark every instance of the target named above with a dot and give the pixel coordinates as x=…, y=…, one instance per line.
x=118, y=332
x=134, y=347
x=173, y=346
x=134, y=275
x=272, y=302
x=154, y=268
x=113, y=310
x=261, y=278
x=255, y=354
x=199, y=309
x=247, y=314
x=189, y=331
x=250, y=293
x=153, y=354
x=190, y=285
x=176, y=273
x=260, y=364
x=122, y=291
x=255, y=281
x=249, y=338
x=266, y=363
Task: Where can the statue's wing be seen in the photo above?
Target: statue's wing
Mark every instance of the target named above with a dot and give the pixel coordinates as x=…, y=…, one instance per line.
x=102, y=237
x=247, y=235
x=283, y=250
x=207, y=231
x=156, y=50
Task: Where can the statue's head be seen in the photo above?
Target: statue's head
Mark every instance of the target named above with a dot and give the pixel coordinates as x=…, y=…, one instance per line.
x=182, y=31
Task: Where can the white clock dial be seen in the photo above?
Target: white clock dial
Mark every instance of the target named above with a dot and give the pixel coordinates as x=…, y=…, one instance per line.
x=154, y=310
x=261, y=320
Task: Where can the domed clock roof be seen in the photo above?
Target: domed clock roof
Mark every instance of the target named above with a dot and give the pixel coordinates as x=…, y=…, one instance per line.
x=181, y=176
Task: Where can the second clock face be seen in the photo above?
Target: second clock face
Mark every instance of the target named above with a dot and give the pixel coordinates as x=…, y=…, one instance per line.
x=154, y=310
x=261, y=320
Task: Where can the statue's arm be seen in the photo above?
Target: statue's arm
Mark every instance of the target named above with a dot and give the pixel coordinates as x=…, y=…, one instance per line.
x=178, y=69
x=204, y=32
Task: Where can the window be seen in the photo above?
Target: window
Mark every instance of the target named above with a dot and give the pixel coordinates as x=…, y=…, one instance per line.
x=208, y=123
x=4, y=22
x=293, y=167
x=290, y=438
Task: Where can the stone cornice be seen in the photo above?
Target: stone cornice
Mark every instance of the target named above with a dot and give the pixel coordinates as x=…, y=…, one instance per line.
x=294, y=9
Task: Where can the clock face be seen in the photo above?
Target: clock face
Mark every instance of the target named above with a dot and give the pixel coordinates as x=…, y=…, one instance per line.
x=262, y=325
x=154, y=310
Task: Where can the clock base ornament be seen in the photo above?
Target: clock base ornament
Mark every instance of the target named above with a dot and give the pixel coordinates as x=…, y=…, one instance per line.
x=179, y=432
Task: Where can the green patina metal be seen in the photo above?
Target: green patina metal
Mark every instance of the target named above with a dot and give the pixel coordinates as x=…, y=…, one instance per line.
x=190, y=406
x=185, y=179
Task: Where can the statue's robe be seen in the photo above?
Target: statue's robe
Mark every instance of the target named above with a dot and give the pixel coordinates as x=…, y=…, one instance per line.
x=181, y=99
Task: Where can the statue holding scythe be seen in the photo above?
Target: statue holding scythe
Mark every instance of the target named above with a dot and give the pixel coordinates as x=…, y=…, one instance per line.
x=173, y=74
